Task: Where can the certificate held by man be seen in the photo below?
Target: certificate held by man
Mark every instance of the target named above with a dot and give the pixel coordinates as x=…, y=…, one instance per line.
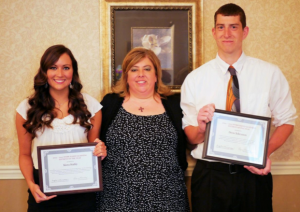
x=71, y=168
x=237, y=138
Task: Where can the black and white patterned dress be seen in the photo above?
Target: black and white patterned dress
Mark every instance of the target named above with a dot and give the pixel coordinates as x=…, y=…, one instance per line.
x=141, y=171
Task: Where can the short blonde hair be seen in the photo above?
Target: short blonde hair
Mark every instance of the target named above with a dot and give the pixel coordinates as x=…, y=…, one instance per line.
x=132, y=58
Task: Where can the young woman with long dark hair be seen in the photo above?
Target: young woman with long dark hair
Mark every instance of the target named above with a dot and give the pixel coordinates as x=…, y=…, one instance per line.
x=56, y=113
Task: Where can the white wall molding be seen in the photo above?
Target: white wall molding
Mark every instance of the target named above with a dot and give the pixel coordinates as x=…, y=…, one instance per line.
x=278, y=168
x=286, y=168
x=10, y=172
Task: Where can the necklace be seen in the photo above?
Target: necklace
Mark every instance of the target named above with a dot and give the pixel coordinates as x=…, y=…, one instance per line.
x=60, y=105
x=142, y=108
x=140, y=104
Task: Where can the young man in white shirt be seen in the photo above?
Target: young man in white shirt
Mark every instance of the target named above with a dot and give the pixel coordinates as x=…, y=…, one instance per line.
x=263, y=90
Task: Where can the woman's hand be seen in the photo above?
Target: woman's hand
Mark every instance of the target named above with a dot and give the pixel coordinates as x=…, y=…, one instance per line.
x=25, y=160
x=38, y=195
x=100, y=149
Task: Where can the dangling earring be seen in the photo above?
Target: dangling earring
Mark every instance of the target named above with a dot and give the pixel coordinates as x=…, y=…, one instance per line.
x=46, y=85
x=71, y=86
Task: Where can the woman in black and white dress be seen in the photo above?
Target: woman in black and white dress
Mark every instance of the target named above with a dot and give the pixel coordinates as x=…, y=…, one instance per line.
x=141, y=127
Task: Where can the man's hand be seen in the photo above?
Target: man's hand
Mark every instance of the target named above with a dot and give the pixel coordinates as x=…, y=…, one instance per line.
x=205, y=115
x=262, y=172
x=196, y=134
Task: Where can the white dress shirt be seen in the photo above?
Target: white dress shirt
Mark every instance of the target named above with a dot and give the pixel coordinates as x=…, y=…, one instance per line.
x=264, y=91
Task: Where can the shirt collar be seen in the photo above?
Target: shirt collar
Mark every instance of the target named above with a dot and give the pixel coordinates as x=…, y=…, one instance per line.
x=238, y=65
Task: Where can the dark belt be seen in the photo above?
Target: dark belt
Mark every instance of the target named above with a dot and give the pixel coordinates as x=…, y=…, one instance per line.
x=224, y=167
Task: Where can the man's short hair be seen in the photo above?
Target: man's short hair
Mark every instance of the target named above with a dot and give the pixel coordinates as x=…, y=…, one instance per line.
x=232, y=10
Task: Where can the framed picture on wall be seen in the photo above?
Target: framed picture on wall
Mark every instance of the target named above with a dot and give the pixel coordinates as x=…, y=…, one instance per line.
x=167, y=31
x=161, y=41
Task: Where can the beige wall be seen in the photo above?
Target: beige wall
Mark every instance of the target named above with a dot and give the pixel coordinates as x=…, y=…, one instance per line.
x=274, y=37
x=27, y=28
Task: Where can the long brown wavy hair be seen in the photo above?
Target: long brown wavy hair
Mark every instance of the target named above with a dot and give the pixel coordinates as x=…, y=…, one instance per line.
x=41, y=113
x=132, y=58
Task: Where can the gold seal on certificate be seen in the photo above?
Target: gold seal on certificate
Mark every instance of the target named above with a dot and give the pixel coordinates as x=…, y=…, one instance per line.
x=237, y=138
x=69, y=168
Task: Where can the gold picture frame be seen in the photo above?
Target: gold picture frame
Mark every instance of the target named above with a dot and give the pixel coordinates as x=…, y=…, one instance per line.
x=124, y=18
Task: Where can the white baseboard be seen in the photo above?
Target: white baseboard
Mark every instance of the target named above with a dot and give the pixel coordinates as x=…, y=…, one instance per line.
x=278, y=168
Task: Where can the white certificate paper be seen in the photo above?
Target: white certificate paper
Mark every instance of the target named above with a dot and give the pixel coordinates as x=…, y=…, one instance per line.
x=240, y=139
x=69, y=170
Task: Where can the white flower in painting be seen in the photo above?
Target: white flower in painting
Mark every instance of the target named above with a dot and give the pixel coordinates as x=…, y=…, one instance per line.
x=152, y=42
